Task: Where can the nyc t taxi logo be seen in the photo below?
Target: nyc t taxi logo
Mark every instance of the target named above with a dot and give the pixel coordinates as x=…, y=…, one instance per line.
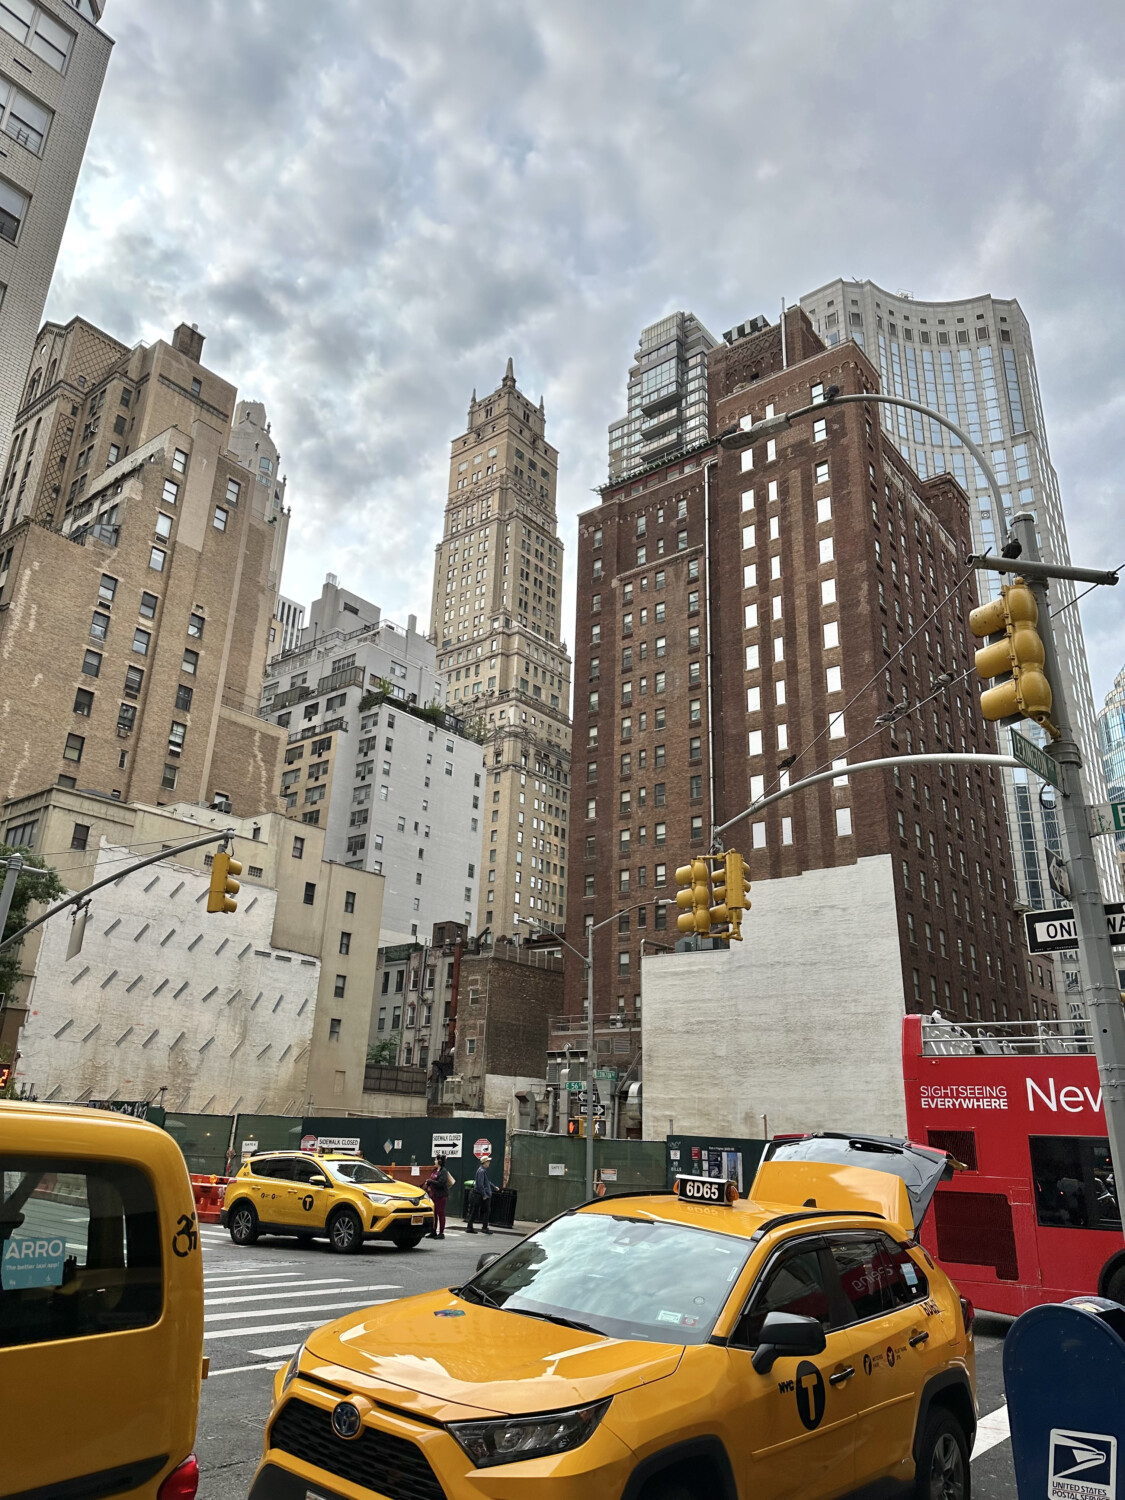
x=1082, y=1466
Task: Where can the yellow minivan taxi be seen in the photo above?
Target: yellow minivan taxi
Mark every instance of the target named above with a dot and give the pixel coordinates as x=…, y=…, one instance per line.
x=101, y=1306
x=333, y=1195
x=684, y=1345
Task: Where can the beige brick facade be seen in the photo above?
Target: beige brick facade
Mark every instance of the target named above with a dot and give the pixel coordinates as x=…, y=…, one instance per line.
x=138, y=576
x=496, y=612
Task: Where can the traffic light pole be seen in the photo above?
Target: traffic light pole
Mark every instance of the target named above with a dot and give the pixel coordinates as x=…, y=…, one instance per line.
x=152, y=859
x=1099, y=973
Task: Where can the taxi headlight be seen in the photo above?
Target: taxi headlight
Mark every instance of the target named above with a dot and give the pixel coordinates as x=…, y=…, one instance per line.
x=380, y=1197
x=291, y=1369
x=510, y=1439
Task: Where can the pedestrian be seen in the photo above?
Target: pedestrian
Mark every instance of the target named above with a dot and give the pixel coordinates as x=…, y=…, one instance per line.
x=481, y=1201
x=438, y=1184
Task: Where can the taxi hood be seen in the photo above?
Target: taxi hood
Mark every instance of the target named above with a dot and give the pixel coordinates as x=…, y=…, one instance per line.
x=868, y=1173
x=441, y=1357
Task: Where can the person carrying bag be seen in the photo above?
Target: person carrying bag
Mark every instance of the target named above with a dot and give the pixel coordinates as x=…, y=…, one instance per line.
x=438, y=1184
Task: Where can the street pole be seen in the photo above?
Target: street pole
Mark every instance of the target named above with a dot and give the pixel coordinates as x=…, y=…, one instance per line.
x=1099, y=972
x=15, y=866
x=590, y=1061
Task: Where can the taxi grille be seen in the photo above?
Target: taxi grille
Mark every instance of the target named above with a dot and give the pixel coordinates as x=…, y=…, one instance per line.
x=379, y=1460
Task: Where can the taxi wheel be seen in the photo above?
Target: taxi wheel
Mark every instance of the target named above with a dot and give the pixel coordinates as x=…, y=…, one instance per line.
x=345, y=1232
x=243, y=1224
x=407, y=1242
x=943, y=1460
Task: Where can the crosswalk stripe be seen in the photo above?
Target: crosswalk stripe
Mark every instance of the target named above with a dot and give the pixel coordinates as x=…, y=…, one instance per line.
x=991, y=1430
x=242, y=1369
x=247, y=1274
x=283, y=1351
x=339, y=1305
x=265, y=1286
x=242, y=1333
x=324, y=1291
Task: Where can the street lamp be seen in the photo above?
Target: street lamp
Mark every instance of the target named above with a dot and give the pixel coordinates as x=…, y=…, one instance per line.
x=587, y=959
x=736, y=437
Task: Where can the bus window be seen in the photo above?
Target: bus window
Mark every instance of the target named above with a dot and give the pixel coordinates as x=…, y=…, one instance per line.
x=1074, y=1186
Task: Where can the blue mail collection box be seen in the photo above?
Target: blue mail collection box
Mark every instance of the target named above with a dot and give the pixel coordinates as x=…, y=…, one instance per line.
x=1064, y=1376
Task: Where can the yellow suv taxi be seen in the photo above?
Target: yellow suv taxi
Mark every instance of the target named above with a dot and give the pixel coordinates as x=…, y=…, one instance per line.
x=334, y=1195
x=683, y=1345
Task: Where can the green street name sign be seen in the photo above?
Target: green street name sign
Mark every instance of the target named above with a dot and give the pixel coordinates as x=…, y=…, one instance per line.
x=612, y=1072
x=1035, y=759
x=1118, y=811
x=575, y=1086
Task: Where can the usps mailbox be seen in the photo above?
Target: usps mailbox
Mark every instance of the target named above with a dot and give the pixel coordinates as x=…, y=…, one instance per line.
x=1064, y=1376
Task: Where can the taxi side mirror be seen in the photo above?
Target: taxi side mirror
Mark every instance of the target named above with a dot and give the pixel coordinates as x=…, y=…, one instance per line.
x=318, y=1181
x=486, y=1260
x=785, y=1335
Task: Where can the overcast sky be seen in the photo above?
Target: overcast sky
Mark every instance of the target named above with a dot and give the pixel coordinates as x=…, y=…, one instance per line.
x=368, y=206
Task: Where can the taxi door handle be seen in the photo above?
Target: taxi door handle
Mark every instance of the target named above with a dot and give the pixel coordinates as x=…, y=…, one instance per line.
x=918, y=1338
x=841, y=1375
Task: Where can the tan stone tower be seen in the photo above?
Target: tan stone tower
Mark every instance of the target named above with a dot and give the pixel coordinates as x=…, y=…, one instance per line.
x=496, y=609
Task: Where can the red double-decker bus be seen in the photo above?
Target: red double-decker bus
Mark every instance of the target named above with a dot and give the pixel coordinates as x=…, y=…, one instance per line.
x=1035, y=1216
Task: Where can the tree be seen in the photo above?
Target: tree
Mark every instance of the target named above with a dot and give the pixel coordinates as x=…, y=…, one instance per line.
x=384, y=1054
x=29, y=888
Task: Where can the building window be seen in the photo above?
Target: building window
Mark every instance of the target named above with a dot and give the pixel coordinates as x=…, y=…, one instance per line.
x=83, y=702
x=92, y=663
x=195, y=626
x=341, y=985
x=179, y=461
x=141, y=639
x=183, y=698
x=177, y=733
x=156, y=559
x=80, y=836
x=334, y=1021
x=134, y=678
x=148, y=606
x=13, y=204
x=697, y=828
x=219, y=519
x=163, y=527
x=349, y=901
x=299, y=851
x=190, y=662
x=310, y=889
x=169, y=777
x=73, y=748
x=234, y=489
x=171, y=492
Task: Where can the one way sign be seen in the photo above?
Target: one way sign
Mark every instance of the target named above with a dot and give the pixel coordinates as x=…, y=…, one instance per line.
x=1053, y=931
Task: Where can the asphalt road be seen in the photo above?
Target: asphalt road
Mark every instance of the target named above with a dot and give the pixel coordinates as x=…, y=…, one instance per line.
x=261, y=1302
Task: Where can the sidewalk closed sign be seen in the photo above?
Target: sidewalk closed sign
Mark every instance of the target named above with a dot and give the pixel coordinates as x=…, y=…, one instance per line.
x=32, y=1260
x=338, y=1143
x=446, y=1145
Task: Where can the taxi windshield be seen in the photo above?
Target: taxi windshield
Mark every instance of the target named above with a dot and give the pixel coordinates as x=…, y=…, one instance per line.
x=624, y=1277
x=357, y=1172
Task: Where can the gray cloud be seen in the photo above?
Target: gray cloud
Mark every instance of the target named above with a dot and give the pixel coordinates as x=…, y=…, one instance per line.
x=368, y=205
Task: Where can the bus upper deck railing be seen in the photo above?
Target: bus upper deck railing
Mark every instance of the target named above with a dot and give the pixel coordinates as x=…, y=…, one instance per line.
x=1006, y=1038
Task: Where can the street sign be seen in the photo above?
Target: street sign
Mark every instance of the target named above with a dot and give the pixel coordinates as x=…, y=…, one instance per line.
x=1035, y=759
x=1106, y=817
x=575, y=1086
x=1058, y=875
x=611, y=1073
x=1054, y=931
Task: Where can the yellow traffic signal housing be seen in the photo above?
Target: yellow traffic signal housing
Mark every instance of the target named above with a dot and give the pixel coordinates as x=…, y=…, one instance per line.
x=736, y=891
x=1026, y=692
x=695, y=899
x=224, y=888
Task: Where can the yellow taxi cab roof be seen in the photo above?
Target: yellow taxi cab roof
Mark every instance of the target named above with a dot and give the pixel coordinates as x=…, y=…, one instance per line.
x=60, y=1114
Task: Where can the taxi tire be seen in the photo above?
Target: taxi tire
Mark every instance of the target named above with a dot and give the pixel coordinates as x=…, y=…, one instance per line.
x=943, y=1471
x=339, y=1237
x=407, y=1241
x=242, y=1224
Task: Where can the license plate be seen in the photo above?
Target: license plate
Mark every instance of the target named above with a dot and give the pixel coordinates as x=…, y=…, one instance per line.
x=417, y=1218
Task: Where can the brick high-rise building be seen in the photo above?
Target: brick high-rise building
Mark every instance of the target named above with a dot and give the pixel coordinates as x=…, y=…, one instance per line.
x=496, y=616
x=137, y=580
x=743, y=612
x=974, y=361
x=51, y=75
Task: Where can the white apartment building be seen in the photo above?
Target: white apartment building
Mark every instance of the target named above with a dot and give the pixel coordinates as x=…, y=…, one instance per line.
x=291, y=617
x=667, y=394
x=378, y=762
x=53, y=58
x=973, y=361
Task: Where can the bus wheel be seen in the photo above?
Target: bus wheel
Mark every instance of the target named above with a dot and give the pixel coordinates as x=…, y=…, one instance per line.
x=1113, y=1280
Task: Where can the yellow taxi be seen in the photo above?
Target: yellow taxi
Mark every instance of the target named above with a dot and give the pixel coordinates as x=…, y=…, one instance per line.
x=101, y=1307
x=333, y=1195
x=660, y=1346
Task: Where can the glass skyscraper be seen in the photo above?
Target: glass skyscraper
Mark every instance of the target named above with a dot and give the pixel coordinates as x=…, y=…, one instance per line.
x=973, y=361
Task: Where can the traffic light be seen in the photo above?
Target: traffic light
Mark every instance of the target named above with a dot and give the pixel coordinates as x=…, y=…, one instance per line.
x=224, y=887
x=731, y=888
x=1016, y=659
x=695, y=897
